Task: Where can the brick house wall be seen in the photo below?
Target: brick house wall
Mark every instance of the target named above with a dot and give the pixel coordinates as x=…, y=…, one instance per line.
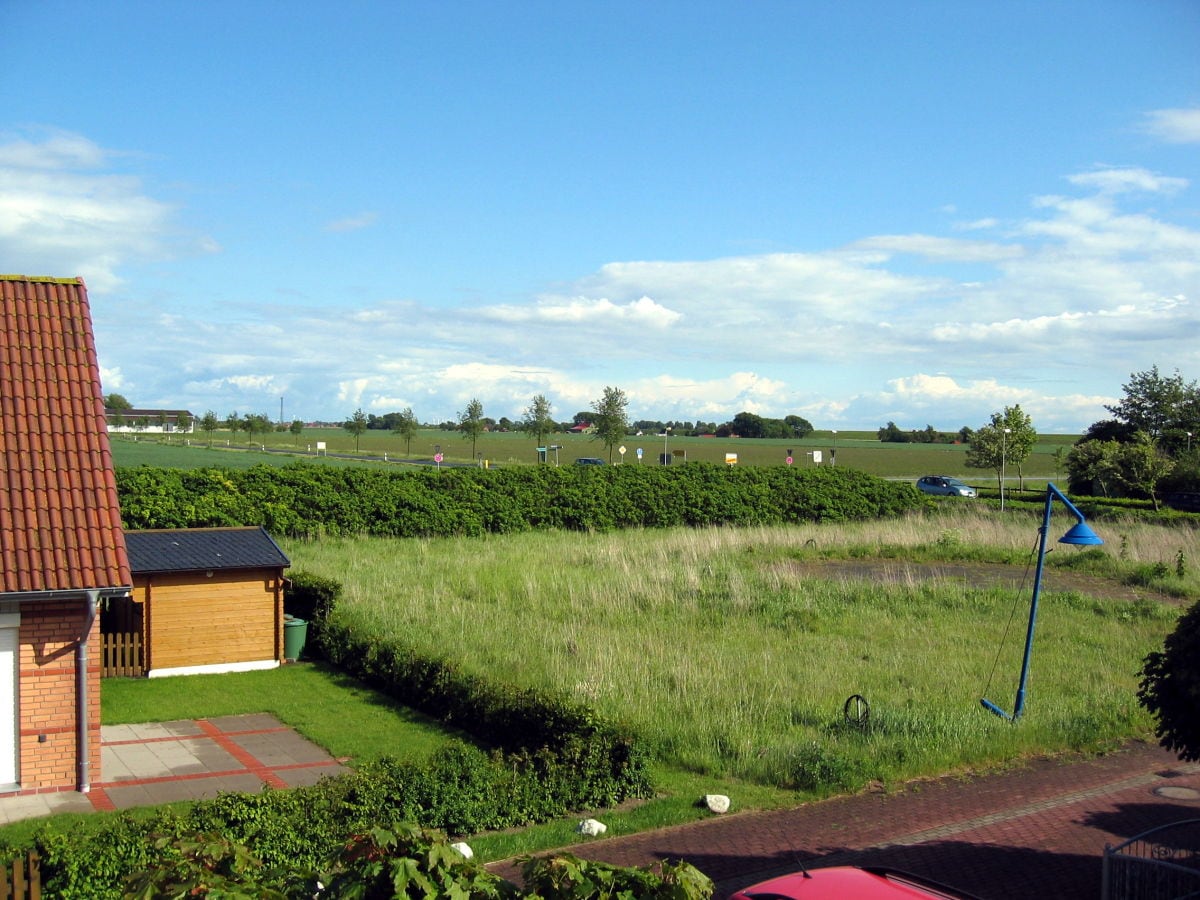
x=49, y=633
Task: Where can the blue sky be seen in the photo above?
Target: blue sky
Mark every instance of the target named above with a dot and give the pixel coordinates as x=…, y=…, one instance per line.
x=857, y=212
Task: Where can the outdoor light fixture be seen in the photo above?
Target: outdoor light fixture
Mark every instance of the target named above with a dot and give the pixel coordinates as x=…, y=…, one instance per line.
x=1079, y=533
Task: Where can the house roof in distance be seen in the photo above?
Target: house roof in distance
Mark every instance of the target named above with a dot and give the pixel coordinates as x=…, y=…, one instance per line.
x=60, y=521
x=202, y=549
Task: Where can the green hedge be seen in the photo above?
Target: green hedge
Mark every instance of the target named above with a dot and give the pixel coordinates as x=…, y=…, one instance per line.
x=586, y=761
x=307, y=500
x=462, y=790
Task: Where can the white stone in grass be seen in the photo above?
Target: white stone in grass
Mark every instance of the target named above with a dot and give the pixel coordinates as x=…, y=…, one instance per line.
x=717, y=803
x=462, y=848
x=591, y=827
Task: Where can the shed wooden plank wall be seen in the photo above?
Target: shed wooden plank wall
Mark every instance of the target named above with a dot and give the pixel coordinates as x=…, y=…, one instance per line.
x=194, y=620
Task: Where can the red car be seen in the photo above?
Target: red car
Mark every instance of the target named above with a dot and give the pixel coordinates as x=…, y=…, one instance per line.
x=868, y=883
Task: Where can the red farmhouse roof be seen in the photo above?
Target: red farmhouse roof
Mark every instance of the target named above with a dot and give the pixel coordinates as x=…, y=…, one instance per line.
x=60, y=523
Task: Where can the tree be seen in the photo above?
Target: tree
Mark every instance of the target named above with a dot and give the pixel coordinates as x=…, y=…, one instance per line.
x=208, y=424
x=610, y=418
x=405, y=427
x=296, y=428
x=356, y=425
x=538, y=421
x=1157, y=404
x=1092, y=463
x=1170, y=687
x=233, y=422
x=255, y=423
x=183, y=421
x=800, y=426
x=1007, y=439
x=471, y=424
x=117, y=403
x=1140, y=466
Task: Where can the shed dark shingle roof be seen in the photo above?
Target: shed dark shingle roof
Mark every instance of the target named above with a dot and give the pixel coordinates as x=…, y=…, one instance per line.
x=202, y=549
x=60, y=521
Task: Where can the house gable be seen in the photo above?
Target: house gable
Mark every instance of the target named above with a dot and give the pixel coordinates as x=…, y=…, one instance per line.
x=60, y=521
x=61, y=546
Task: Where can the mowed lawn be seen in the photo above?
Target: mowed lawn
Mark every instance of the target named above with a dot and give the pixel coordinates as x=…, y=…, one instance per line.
x=723, y=651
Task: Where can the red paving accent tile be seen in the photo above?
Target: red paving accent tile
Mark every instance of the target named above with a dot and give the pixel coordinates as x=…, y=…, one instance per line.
x=100, y=800
x=247, y=759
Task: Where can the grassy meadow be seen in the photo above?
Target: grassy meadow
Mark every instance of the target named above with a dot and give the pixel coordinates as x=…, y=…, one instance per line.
x=860, y=450
x=733, y=656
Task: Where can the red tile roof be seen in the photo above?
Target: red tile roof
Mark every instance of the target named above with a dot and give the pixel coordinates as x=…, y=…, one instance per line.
x=60, y=523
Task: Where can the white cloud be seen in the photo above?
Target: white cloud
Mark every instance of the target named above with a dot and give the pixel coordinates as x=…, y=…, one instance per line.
x=61, y=214
x=353, y=223
x=1120, y=180
x=940, y=248
x=1175, y=126
x=983, y=224
x=1088, y=286
x=643, y=312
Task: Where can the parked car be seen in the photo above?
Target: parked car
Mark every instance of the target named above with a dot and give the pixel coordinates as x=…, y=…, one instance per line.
x=945, y=486
x=589, y=461
x=867, y=883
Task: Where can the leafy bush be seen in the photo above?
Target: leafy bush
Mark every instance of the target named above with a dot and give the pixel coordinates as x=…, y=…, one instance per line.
x=1170, y=687
x=396, y=860
x=566, y=877
x=303, y=500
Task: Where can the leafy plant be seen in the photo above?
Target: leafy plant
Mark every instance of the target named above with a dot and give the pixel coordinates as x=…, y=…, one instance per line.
x=567, y=877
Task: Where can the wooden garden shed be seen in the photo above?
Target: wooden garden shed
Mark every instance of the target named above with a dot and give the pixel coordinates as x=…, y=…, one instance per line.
x=204, y=600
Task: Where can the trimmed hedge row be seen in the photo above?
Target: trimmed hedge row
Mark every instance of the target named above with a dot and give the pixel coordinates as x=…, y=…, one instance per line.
x=587, y=762
x=304, y=500
x=609, y=766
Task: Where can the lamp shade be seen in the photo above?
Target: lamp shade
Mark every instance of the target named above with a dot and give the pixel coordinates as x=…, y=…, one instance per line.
x=1080, y=533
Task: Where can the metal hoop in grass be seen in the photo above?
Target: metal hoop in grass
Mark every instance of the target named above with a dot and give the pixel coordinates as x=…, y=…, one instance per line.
x=857, y=711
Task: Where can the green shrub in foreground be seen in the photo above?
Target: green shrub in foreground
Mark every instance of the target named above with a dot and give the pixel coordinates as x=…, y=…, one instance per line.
x=399, y=860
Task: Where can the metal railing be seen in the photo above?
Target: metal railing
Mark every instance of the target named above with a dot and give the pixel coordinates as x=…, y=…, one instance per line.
x=1160, y=864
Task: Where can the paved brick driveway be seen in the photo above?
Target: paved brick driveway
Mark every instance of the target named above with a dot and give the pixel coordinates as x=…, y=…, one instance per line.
x=1035, y=832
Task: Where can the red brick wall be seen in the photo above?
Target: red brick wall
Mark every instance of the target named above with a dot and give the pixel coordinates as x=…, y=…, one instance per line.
x=49, y=635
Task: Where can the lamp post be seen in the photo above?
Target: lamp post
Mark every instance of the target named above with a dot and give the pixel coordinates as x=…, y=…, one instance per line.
x=1003, y=461
x=1081, y=534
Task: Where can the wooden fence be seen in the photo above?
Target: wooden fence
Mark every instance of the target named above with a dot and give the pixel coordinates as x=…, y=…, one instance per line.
x=21, y=880
x=121, y=655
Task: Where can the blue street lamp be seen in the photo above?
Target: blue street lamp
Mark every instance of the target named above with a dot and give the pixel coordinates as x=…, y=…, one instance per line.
x=1079, y=533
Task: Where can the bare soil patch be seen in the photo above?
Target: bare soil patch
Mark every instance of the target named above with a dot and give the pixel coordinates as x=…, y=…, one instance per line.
x=977, y=575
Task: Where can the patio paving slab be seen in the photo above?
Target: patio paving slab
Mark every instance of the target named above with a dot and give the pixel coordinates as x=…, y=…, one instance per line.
x=165, y=762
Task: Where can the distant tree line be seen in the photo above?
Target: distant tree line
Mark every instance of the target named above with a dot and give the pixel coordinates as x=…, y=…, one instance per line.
x=891, y=434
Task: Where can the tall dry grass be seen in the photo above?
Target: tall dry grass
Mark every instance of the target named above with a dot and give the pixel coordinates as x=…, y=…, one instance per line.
x=729, y=657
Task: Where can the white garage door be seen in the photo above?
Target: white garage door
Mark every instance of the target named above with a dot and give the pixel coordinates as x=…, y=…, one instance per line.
x=9, y=656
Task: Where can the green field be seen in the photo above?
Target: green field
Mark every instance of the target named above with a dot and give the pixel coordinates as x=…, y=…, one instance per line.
x=859, y=450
